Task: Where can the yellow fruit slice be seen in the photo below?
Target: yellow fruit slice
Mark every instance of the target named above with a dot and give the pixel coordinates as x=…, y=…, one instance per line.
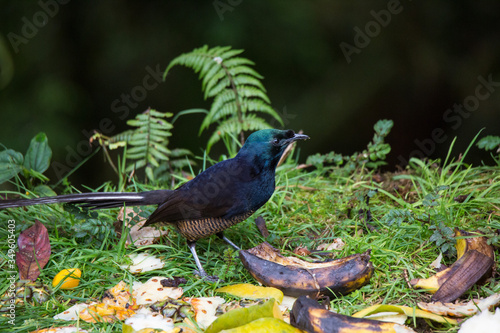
x=247, y=290
x=70, y=278
x=243, y=316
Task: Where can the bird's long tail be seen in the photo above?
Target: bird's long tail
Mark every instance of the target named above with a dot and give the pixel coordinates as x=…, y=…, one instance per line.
x=97, y=200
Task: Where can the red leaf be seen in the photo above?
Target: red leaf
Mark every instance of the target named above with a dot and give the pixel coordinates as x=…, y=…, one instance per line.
x=34, y=251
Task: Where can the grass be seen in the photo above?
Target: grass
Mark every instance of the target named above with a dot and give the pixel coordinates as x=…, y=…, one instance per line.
x=308, y=208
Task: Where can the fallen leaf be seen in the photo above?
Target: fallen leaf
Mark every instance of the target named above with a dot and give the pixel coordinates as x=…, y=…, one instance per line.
x=137, y=235
x=261, y=225
x=302, y=251
x=34, y=251
x=143, y=262
x=337, y=244
x=437, y=262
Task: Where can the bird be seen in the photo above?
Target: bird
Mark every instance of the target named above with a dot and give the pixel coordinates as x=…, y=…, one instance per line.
x=221, y=196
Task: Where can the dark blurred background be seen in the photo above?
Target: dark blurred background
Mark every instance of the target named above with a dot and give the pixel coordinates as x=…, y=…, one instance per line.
x=331, y=68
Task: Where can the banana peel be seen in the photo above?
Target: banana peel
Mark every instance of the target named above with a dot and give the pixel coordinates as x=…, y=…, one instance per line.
x=408, y=311
x=265, y=325
x=467, y=241
x=475, y=263
x=310, y=316
x=242, y=316
x=462, y=309
x=249, y=291
x=296, y=277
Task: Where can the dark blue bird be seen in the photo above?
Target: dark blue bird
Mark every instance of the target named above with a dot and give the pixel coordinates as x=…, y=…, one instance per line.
x=218, y=198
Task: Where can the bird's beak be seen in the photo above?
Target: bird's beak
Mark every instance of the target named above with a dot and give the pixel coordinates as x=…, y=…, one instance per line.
x=299, y=137
x=294, y=138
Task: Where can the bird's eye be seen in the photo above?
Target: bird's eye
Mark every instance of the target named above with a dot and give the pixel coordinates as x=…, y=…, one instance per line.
x=276, y=142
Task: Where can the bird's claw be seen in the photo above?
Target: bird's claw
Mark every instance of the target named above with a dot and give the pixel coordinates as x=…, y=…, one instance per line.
x=208, y=278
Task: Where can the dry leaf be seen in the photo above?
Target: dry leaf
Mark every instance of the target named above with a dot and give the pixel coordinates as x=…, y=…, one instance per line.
x=261, y=225
x=301, y=250
x=143, y=262
x=337, y=244
x=137, y=235
x=34, y=251
x=437, y=262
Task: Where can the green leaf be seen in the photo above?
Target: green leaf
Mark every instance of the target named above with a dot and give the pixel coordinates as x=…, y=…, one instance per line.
x=39, y=153
x=242, y=316
x=489, y=142
x=236, y=88
x=44, y=191
x=11, y=163
x=383, y=127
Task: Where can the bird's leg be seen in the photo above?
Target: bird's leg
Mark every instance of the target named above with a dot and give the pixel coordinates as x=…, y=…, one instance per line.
x=201, y=272
x=221, y=236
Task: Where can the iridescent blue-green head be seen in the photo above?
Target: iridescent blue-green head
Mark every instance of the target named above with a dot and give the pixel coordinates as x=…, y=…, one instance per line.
x=268, y=145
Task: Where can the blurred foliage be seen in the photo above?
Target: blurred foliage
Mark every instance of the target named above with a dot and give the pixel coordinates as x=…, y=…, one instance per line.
x=31, y=166
x=83, y=65
x=372, y=157
x=236, y=89
x=490, y=142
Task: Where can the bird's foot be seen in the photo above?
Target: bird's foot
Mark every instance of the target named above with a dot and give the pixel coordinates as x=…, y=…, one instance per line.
x=208, y=278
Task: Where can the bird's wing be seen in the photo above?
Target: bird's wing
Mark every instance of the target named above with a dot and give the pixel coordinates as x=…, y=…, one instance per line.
x=216, y=192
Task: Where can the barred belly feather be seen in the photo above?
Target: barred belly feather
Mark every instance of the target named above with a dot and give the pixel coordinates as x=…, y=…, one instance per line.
x=196, y=229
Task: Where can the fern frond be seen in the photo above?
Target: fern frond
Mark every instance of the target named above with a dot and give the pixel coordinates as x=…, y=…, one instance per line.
x=234, y=85
x=147, y=144
x=250, y=122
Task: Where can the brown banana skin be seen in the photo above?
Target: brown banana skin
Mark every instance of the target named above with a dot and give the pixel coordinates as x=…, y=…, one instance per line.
x=475, y=264
x=472, y=266
x=310, y=316
x=340, y=276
